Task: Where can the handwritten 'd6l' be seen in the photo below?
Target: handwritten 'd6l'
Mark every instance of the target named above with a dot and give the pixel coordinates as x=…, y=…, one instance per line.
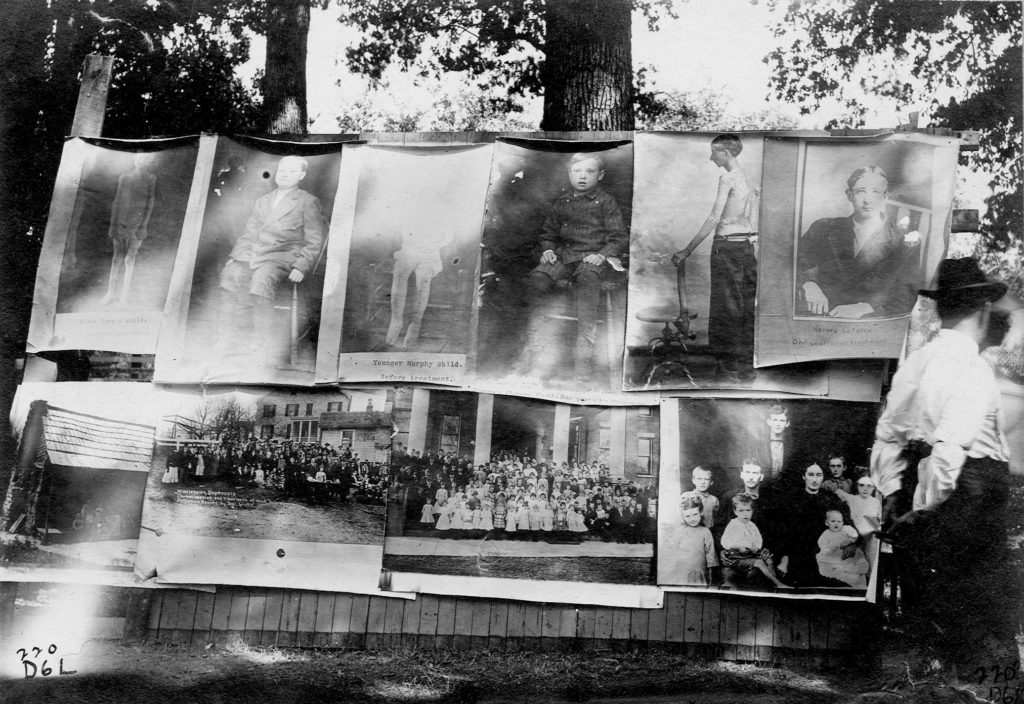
x=35, y=668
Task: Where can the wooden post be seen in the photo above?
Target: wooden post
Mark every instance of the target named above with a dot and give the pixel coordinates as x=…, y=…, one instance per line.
x=8, y=593
x=87, y=122
x=137, y=614
x=92, y=96
x=90, y=111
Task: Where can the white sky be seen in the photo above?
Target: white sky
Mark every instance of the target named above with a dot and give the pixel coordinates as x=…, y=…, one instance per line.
x=714, y=44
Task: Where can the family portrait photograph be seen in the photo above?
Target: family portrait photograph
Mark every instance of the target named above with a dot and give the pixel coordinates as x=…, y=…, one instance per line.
x=770, y=496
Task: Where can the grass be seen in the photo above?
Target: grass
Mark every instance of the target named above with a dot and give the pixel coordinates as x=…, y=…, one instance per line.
x=892, y=670
x=239, y=673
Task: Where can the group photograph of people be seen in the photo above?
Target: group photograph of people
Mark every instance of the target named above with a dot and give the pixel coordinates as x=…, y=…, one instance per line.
x=247, y=487
x=486, y=485
x=518, y=498
x=783, y=501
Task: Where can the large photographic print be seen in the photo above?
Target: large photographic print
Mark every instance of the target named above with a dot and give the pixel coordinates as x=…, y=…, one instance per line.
x=693, y=267
x=768, y=496
x=248, y=308
x=553, y=275
x=506, y=487
x=269, y=487
x=851, y=229
x=72, y=502
x=404, y=270
x=111, y=241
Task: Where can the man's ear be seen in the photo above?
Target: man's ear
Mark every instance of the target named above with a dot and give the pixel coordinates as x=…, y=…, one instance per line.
x=600, y=176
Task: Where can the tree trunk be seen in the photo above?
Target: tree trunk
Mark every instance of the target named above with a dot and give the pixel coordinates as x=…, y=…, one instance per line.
x=284, y=78
x=23, y=34
x=588, y=66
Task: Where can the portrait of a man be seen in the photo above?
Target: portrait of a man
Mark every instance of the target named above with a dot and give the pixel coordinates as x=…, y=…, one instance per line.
x=282, y=239
x=860, y=265
x=251, y=299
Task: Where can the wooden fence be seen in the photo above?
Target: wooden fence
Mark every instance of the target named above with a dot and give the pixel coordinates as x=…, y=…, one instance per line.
x=721, y=626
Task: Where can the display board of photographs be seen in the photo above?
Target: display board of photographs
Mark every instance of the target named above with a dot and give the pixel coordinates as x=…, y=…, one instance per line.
x=532, y=300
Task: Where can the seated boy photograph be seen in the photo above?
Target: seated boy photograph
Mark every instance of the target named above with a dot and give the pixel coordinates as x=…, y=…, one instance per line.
x=581, y=241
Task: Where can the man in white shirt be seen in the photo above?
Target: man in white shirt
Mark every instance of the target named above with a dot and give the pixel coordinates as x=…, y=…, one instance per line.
x=942, y=418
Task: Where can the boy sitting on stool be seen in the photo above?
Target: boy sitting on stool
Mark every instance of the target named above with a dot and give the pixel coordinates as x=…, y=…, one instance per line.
x=583, y=229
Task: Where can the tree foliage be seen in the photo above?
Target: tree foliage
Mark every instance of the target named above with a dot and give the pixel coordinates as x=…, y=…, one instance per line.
x=166, y=54
x=222, y=419
x=708, y=110
x=911, y=53
x=462, y=109
x=173, y=74
x=500, y=43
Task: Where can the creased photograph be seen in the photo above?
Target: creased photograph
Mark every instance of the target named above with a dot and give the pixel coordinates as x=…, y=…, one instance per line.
x=507, y=487
x=554, y=270
x=250, y=288
x=404, y=265
x=115, y=223
x=769, y=497
x=852, y=229
x=269, y=487
x=72, y=502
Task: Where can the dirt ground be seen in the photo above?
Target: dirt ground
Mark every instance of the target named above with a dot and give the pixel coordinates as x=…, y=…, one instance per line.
x=107, y=671
x=267, y=517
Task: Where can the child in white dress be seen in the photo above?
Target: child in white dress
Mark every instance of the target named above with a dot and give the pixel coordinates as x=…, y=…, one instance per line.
x=831, y=563
x=455, y=513
x=523, y=518
x=427, y=514
x=865, y=512
x=486, y=517
x=693, y=556
x=444, y=516
x=547, y=517
x=511, y=518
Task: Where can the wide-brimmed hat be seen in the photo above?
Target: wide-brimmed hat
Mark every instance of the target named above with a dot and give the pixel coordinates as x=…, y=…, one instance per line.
x=963, y=280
